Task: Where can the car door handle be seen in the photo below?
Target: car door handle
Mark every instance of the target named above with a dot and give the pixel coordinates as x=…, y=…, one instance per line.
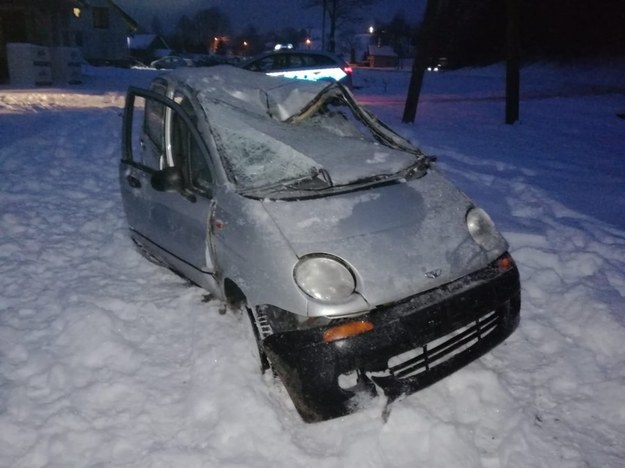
x=133, y=181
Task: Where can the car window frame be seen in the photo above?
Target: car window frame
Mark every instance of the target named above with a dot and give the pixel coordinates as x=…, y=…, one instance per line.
x=189, y=157
x=172, y=106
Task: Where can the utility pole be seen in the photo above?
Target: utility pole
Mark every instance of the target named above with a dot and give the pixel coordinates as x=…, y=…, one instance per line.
x=512, y=61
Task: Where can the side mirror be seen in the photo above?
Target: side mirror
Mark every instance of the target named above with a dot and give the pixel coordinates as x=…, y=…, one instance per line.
x=168, y=179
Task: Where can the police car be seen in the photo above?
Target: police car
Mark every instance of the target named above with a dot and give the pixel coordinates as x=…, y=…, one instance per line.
x=302, y=64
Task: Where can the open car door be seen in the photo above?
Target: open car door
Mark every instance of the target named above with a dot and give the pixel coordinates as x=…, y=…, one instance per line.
x=166, y=183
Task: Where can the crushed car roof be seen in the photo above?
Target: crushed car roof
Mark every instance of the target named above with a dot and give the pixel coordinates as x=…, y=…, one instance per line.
x=280, y=98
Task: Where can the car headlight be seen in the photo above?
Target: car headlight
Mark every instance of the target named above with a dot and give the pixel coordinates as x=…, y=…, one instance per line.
x=483, y=230
x=324, y=278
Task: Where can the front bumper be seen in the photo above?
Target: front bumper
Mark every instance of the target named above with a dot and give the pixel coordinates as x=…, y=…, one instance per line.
x=414, y=343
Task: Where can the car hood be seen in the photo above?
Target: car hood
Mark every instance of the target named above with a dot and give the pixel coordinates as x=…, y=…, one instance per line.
x=399, y=239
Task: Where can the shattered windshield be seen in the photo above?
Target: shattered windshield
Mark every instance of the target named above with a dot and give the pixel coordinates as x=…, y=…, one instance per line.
x=256, y=150
x=336, y=117
x=332, y=143
x=337, y=112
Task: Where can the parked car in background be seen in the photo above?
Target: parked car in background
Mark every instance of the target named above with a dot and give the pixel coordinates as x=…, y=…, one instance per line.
x=361, y=268
x=437, y=64
x=302, y=64
x=170, y=62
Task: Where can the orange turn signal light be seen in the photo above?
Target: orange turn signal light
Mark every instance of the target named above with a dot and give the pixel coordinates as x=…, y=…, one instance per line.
x=346, y=330
x=505, y=263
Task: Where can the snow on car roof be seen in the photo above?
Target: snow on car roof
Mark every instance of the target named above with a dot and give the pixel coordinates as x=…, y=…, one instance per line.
x=280, y=98
x=248, y=111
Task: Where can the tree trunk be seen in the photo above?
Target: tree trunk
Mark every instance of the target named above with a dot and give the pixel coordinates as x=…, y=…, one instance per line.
x=414, y=89
x=512, y=62
x=323, y=25
x=333, y=18
x=422, y=52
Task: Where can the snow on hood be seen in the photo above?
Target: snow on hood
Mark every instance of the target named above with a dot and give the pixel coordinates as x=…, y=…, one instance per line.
x=391, y=236
x=277, y=97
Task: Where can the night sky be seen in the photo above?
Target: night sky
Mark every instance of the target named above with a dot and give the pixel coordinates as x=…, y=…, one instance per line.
x=264, y=14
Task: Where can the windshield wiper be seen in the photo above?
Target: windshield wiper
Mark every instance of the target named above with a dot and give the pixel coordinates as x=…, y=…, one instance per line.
x=414, y=171
x=317, y=179
x=418, y=169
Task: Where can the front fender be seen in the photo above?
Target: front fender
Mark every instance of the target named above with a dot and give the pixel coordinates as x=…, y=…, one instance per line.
x=251, y=250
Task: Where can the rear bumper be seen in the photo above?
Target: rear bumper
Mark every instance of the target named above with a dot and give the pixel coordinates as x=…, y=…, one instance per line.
x=414, y=343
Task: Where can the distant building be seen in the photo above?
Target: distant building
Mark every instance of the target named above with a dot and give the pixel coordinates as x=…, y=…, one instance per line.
x=360, y=48
x=99, y=28
x=382, y=57
x=148, y=47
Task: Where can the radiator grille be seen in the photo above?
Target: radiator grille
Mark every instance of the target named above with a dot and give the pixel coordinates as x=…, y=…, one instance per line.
x=436, y=352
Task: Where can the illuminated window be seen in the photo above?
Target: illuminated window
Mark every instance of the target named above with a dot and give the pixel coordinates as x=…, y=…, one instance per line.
x=76, y=12
x=101, y=18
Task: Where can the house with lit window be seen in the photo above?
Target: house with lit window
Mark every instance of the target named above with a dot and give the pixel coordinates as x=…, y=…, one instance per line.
x=99, y=28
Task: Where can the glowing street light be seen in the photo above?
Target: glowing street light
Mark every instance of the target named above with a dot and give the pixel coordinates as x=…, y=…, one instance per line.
x=371, y=30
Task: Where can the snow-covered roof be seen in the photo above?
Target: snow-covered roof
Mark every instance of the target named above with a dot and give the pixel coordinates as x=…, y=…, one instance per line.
x=280, y=98
x=141, y=41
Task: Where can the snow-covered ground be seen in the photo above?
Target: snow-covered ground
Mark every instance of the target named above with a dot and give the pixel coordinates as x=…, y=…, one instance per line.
x=108, y=360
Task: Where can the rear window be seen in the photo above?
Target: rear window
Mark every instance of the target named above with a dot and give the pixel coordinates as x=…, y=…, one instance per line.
x=323, y=60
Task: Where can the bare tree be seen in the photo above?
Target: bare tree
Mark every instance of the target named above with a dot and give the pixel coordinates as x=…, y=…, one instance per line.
x=183, y=34
x=203, y=32
x=156, y=26
x=338, y=11
x=211, y=23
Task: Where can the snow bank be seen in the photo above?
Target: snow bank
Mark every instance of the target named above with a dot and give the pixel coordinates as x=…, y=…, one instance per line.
x=108, y=360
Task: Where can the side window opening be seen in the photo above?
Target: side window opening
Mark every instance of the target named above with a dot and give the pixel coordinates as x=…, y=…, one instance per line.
x=154, y=115
x=309, y=60
x=156, y=135
x=264, y=64
x=153, y=128
x=186, y=151
x=296, y=61
x=280, y=62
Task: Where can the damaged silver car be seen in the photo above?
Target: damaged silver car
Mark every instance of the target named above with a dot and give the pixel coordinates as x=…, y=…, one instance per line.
x=362, y=269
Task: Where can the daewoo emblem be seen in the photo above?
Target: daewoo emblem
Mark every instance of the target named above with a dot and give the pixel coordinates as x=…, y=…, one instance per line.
x=433, y=274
